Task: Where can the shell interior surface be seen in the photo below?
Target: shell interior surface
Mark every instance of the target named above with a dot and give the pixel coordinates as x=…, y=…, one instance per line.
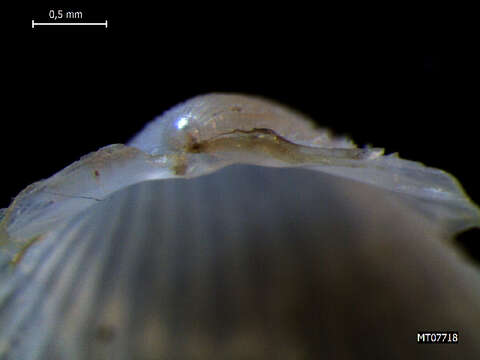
x=175, y=246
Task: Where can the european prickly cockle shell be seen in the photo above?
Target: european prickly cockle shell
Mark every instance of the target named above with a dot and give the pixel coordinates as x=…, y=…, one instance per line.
x=232, y=227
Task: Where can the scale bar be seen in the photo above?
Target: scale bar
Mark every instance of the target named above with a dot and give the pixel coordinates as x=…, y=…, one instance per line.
x=65, y=23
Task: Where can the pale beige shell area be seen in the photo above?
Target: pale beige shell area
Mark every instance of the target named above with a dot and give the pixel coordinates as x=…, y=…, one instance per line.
x=231, y=227
x=209, y=132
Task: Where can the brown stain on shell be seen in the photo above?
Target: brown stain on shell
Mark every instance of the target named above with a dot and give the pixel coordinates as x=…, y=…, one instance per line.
x=259, y=141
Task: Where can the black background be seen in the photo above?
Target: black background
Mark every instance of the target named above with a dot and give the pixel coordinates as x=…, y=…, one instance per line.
x=77, y=89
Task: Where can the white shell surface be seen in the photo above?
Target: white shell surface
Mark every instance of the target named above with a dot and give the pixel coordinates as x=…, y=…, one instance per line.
x=247, y=262
x=214, y=259
x=206, y=116
x=211, y=131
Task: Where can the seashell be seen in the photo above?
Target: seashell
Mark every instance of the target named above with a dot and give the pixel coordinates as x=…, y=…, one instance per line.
x=232, y=228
